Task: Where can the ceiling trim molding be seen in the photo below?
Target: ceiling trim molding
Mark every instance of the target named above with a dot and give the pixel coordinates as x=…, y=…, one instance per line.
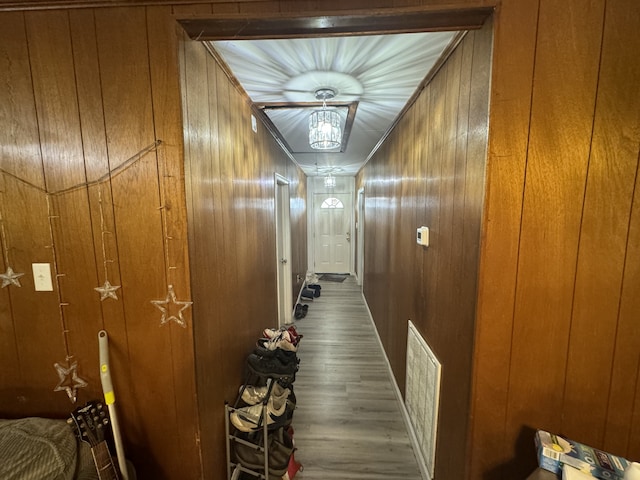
x=407, y=20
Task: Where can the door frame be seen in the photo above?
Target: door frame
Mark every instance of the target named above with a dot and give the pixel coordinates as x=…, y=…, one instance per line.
x=360, y=236
x=284, y=282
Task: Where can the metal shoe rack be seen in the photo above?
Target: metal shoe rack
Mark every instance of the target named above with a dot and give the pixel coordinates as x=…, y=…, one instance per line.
x=258, y=439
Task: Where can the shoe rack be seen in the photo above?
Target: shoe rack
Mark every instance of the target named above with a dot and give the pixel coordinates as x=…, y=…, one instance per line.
x=257, y=442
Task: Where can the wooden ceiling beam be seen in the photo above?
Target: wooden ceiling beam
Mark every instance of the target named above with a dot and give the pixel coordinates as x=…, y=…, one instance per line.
x=242, y=27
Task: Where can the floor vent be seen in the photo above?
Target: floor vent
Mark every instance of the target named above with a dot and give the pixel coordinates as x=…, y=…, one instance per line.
x=423, y=394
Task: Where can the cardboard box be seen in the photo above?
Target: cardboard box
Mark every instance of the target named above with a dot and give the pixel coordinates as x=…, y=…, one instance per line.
x=555, y=451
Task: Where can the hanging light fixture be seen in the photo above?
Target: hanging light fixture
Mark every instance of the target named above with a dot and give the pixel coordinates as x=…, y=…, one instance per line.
x=324, y=125
x=329, y=181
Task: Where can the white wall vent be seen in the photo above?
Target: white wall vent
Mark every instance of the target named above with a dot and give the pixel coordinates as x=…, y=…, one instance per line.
x=422, y=395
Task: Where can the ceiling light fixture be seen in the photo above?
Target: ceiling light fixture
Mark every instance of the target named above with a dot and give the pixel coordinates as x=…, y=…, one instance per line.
x=329, y=181
x=324, y=125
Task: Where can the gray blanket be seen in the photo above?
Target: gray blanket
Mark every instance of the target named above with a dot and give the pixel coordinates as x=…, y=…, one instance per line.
x=42, y=449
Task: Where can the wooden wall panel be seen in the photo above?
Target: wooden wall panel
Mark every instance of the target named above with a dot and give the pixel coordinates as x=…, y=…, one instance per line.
x=200, y=133
x=87, y=97
x=165, y=87
x=446, y=131
x=605, y=221
x=508, y=142
x=558, y=153
x=502, y=420
x=231, y=204
x=618, y=114
x=28, y=364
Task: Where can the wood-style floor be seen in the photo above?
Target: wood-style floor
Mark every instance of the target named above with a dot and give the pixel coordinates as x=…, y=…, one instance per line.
x=348, y=423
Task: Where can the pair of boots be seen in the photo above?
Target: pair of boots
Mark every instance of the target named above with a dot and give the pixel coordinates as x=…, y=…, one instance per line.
x=301, y=311
x=310, y=292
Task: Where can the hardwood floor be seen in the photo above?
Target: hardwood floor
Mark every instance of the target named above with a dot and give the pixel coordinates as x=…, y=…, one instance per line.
x=348, y=423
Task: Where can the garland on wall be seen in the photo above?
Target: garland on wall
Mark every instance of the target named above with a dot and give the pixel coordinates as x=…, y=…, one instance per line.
x=9, y=277
x=172, y=309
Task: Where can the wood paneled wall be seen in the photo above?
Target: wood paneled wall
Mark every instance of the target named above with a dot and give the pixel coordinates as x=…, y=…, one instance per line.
x=431, y=172
x=556, y=340
x=85, y=92
x=558, y=337
x=231, y=194
x=82, y=93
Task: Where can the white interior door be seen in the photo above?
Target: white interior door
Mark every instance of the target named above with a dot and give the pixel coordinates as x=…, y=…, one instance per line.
x=283, y=251
x=360, y=238
x=332, y=215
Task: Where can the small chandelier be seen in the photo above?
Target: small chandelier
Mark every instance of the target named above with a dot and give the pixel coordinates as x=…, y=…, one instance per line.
x=329, y=181
x=324, y=125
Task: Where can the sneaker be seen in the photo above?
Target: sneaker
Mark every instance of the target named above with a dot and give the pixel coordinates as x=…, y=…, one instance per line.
x=274, y=343
x=273, y=334
x=254, y=395
x=285, y=356
x=271, y=366
x=248, y=419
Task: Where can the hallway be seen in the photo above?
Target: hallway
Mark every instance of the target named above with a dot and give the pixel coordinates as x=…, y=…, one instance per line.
x=348, y=423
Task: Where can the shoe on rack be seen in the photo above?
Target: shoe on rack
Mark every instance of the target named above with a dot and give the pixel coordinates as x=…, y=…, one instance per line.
x=273, y=333
x=271, y=366
x=285, y=356
x=254, y=395
x=280, y=450
x=248, y=419
x=275, y=343
x=279, y=447
x=299, y=313
x=316, y=289
x=294, y=336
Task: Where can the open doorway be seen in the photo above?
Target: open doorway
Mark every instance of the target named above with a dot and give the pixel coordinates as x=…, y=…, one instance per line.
x=283, y=250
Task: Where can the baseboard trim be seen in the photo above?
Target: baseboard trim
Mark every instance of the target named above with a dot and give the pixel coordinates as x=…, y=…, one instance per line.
x=417, y=451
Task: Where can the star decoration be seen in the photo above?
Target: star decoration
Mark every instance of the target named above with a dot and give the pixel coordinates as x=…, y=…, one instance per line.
x=107, y=290
x=171, y=308
x=10, y=277
x=69, y=382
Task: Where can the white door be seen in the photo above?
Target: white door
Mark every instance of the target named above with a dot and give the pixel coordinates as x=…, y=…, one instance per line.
x=360, y=238
x=283, y=251
x=332, y=245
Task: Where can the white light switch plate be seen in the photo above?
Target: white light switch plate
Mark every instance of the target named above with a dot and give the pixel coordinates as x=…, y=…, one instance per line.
x=42, y=277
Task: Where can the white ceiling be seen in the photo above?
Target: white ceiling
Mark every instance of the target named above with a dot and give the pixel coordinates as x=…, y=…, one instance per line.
x=379, y=73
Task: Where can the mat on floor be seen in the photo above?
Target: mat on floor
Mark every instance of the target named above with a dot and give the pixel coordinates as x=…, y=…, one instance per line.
x=334, y=277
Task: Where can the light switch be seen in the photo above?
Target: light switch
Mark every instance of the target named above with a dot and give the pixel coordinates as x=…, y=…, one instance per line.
x=42, y=277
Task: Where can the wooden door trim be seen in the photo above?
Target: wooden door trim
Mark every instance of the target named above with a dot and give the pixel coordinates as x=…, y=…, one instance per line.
x=406, y=20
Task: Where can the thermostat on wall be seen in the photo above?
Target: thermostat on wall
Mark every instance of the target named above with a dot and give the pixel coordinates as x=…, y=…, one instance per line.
x=422, y=236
